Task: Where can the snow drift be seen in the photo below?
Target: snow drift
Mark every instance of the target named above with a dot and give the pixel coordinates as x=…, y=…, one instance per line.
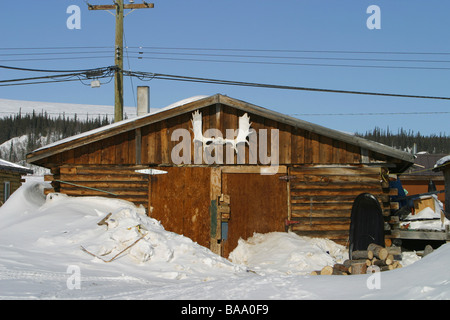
x=43, y=239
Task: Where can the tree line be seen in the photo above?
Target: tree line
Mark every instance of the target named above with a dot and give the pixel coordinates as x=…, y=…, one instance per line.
x=41, y=129
x=409, y=141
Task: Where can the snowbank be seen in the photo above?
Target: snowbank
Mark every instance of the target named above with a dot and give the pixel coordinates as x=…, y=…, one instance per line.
x=66, y=225
x=287, y=253
x=42, y=241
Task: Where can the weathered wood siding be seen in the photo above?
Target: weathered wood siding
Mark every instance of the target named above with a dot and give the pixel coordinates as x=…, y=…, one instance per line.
x=119, y=182
x=321, y=198
x=14, y=178
x=152, y=144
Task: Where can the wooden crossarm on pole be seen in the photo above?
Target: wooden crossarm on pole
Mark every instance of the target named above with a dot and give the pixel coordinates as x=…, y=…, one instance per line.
x=125, y=6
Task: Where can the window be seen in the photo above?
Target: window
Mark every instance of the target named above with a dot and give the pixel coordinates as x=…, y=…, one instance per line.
x=6, y=190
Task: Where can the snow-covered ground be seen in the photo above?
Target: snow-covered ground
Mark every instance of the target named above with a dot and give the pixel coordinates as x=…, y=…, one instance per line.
x=42, y=257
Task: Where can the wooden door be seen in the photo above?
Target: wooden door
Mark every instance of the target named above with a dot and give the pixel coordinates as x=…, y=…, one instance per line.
x=258, y=203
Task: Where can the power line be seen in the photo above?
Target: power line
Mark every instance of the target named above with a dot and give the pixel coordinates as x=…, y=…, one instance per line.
x=287, y=57
x=296, y=64
x=150, y=76
x=369, y=113
x=36, y=82
x=105, y=72
x=56, y=58
x=50, y=53
x=229, y=56
x=56, y=48
x=79, y=75
x=295, y=51
x=54, y=71
x=234, y=50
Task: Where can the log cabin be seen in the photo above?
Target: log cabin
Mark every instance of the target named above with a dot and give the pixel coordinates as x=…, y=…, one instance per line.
x=217, y=169
x=417, y=178
x=10, y=178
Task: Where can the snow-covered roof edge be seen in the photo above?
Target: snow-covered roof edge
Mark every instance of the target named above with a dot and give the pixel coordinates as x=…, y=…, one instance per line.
x=120, y=123
x=6, y=165
x=441, y=162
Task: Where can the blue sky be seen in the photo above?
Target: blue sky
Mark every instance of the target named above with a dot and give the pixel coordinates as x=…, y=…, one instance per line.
x=408, y=27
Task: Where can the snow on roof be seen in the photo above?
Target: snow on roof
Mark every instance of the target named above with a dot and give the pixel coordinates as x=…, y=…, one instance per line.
x=442, y=161
x=12, y=166
x=183, y=102
x=120, y=123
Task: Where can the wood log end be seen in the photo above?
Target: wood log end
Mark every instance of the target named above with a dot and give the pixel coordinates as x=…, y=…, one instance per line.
x=327, y=270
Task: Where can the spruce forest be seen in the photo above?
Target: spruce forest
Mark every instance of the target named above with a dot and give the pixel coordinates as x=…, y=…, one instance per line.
x=39, y=129
x=409, y=140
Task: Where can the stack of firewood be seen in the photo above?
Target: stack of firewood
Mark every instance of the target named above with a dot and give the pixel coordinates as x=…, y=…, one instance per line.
x=375, y=258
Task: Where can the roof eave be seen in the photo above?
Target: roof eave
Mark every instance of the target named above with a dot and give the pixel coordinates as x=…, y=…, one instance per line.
x=241, y=105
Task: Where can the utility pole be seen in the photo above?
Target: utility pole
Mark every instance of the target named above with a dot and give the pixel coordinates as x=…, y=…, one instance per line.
x=119, y=7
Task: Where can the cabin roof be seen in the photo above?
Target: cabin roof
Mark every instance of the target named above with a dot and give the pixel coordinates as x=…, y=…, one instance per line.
x=194, y=103
x=9, y=166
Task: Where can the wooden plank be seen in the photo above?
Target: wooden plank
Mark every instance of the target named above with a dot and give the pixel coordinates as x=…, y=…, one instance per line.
x=165, y=142
x=230, y=123
x=420, y=235
x=79, y=190
x=336, y=170
x=325, y=150
x=288, y=197
x=215, y=192
x=329, y=225
x=135, y=185
x=217, y=124
x=341, y=213
x=68, y=170
x=108, y=151
x=150, y=149
x=252, y=169
x=315, y=148
x=295, y=150
x=334, y=191
x=318, y=206
x=364, y=187
x=121, y=150
x=94, y=153
x=314, y=201
x=285, y=144
x=105, y=177
x=138, y=145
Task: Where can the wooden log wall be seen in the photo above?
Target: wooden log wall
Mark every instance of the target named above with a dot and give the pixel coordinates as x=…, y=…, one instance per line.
x=15, y=180
x=119, y=182
x=321, y=198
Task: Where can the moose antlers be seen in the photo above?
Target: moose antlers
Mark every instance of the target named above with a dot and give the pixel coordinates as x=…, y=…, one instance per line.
x=243, y=132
